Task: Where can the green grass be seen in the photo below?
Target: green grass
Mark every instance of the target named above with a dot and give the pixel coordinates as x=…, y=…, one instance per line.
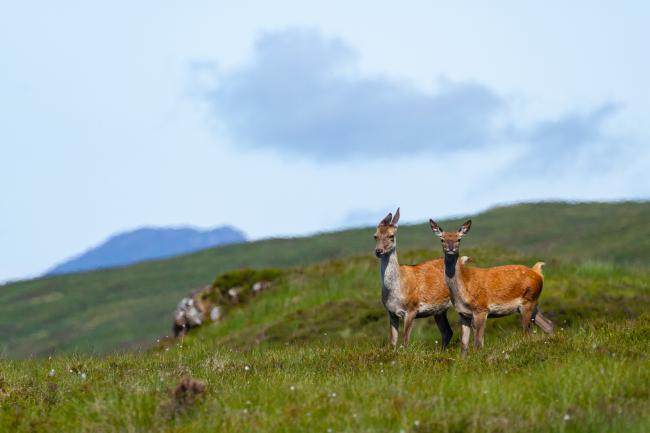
x=311, y=354
x=100, y=311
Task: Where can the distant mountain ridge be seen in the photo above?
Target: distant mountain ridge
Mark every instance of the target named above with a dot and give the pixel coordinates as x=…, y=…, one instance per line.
x=147, y=243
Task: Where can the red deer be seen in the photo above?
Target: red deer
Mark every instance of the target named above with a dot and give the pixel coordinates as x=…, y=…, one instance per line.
x=410, y=292
x=492, y=292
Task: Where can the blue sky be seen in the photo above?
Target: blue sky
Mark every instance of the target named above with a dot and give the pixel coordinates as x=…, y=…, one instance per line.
x=287, y=118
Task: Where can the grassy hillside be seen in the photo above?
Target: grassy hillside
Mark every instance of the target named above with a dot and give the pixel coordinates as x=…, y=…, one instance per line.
x=311, y=355
x=103, y=310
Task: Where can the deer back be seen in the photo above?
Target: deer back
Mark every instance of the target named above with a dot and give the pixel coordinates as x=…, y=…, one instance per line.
x=502, y=284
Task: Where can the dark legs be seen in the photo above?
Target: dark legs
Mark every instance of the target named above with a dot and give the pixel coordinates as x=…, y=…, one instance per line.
x=441, y=321
x=445, y=329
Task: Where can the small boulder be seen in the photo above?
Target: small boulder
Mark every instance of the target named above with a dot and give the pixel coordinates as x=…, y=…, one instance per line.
x=188, y=315
x=260, y=286
x=233, y=295
x=216, y=313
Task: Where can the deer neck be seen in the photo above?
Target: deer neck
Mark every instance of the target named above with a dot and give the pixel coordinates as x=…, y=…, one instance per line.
x=451, y=262
x=455, y=282
x=390, y=272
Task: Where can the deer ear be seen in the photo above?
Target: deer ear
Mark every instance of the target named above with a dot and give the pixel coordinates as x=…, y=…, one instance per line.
x=465, y=228
x=437, y=230
x=387, y=219
x=395, y=218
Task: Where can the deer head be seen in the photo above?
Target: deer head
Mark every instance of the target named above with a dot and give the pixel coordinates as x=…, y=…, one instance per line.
x=385, y=234
x=450, y=240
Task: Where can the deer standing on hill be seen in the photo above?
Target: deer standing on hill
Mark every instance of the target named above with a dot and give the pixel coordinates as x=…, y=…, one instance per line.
x=410, y=292
x=492, y=292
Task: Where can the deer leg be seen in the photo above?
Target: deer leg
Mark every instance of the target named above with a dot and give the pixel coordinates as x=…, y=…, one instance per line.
x=526, y=312
x=394, y=329
x=408, y=326
x=465, y=330
x=479, y=328
x=445, y=330
x=541, y=321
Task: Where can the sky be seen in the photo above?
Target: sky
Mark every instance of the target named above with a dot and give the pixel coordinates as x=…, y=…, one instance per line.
x=289, y=118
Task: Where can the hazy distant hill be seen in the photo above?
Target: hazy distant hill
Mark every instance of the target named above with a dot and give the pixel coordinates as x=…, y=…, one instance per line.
x=146, y=244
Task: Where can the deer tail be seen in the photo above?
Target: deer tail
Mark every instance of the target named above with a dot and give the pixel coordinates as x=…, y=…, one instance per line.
x=537, y=267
